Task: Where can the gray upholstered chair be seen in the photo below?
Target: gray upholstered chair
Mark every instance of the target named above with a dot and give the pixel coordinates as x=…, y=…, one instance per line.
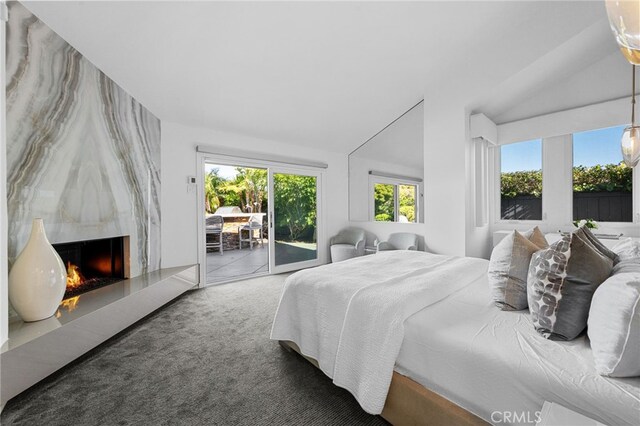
x=347, y=244
x=399, y=241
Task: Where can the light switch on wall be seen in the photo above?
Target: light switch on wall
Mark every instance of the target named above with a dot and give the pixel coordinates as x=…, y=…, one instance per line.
x=191, y=184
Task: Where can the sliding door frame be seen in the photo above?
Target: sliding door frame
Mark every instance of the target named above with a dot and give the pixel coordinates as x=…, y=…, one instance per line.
x=203, y=158
x=320, y=241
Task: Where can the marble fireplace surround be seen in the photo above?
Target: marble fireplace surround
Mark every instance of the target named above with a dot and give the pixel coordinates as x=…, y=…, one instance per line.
x=82, y=154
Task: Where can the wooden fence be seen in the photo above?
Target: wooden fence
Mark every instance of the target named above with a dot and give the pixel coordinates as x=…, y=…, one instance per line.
x=603, y=206
x=522, y=207
x=600, y=206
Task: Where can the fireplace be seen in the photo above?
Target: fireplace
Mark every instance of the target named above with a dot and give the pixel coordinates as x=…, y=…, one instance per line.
x=94, y=263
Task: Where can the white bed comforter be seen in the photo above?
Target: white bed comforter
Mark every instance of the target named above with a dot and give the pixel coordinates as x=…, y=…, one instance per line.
x=349, y=316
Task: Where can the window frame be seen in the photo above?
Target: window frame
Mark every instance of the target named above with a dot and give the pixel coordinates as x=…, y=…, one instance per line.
x=375, y=180
x=557, y=186
x=635, y=194
x=496, y=203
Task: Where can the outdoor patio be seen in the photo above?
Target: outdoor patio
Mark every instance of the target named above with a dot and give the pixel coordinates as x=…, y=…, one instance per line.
x=237, y=263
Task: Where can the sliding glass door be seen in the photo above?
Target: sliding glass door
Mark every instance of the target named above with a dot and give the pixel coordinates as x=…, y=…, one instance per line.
x=235, y=221
x=257, y=218
x=294, y=200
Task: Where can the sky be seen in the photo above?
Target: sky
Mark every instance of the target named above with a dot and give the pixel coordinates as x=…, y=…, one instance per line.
x=600, y=146
x=226, y=172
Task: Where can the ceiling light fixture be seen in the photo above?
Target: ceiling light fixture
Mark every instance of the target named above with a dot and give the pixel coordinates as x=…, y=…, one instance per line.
x=624, y=18
x=630, y=142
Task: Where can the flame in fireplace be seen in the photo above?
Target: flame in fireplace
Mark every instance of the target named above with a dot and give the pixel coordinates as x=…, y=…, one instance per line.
x=74, y=276
x=68, y=304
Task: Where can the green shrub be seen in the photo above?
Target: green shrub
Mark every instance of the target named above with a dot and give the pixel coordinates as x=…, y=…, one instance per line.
x=384, y=206
x=598, y=178
x=609, y=178
x=521, y=183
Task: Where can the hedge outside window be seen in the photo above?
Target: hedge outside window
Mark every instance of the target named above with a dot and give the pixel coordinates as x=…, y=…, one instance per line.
x=521, y=181
x=602, y=183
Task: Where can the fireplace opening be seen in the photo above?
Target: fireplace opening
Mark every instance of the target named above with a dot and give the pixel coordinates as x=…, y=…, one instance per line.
x=94, y=263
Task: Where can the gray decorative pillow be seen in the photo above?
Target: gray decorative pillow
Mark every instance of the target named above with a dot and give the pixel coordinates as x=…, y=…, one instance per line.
x=561, y=283
x=508, y=268
x=586, y=232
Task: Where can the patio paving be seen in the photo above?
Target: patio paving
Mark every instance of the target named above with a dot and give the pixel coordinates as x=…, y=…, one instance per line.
x=239, y=263
x=235, y=263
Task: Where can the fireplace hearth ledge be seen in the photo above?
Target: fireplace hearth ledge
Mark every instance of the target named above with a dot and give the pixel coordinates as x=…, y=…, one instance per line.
x=36, y=350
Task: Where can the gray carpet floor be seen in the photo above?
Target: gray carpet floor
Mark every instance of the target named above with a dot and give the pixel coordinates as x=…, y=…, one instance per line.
x=205, y=359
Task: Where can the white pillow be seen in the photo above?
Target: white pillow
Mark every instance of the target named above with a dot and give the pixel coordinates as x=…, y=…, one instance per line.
x=627, y=249
x=614, y=326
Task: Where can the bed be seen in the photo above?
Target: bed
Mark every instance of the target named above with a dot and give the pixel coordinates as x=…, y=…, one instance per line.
x=444, y=353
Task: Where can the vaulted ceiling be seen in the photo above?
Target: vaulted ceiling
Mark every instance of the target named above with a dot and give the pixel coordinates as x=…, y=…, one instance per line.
x=332, y=74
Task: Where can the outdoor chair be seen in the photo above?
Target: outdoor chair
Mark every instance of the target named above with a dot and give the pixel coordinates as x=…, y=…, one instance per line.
x=399, y=241
x=347, y=244
x=254, y=224
x=214, y=225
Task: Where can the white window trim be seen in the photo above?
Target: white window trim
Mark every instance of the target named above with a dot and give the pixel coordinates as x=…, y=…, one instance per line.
x=495, y=201
x=374, y=179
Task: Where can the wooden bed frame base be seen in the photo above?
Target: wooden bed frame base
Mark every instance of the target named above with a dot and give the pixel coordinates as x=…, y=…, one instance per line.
x=410, y=403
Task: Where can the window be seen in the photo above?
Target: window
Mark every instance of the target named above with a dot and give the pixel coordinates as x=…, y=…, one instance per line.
x=602, y=183
x=395, y=202
x=521, y=181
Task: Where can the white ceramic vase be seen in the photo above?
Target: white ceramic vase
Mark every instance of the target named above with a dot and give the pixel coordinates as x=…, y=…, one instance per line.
x=38, y=278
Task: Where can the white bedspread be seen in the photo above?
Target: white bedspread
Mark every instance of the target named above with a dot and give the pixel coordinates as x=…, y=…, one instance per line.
x=494, y=364
x=349, y=316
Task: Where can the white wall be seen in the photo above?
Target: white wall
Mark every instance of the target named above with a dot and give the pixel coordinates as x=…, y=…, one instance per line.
x=396, y=149
x=4, y=296
x=449, y=189
x=596, y=116
x=361, y=198
x=179, y=208
x=445, y=194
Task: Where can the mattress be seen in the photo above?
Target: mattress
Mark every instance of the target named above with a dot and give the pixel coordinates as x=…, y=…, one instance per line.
x=493, y=364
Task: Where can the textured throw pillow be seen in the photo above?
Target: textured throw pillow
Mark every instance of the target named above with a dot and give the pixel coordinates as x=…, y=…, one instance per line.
x=628, y=249
x=586, y=232
x=614, y=326
x=508, y=268
x=561, y=283
x=627, y=266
